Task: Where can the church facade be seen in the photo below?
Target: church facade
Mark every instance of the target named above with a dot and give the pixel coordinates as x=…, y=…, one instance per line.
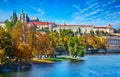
x=35, y=21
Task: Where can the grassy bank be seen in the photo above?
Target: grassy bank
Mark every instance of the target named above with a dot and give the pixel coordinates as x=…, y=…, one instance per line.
x=52, y=60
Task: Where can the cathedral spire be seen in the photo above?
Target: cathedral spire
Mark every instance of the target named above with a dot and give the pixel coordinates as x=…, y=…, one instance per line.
x=22, y=11
x=22, y=16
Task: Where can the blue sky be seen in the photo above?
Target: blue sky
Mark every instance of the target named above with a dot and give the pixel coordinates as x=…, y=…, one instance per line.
x=94, y=12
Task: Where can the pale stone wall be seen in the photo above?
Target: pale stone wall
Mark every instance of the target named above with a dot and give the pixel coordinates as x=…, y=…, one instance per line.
x=74, y=28
x=114, y=43
x=109, y=30
x=2, y=24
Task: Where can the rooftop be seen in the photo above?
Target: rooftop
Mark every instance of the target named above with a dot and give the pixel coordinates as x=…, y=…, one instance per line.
x=41, y=23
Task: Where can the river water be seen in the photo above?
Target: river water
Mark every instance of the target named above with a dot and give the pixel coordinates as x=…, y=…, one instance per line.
x=92, y=66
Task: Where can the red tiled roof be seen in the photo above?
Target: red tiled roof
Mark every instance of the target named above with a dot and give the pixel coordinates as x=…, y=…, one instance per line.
x=65, y=25
x=101, y=27
x=42, y=23
x=51, y=23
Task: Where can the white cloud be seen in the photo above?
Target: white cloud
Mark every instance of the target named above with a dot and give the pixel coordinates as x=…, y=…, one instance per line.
x=39, y=10
x=76, y=6
x=116, y=24
x=93, y=12
x=113, y=16
x=89, y=2
x=86, y=9
x=97, y=14
x=110, y=18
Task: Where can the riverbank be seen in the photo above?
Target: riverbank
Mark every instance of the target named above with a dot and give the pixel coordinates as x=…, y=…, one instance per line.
x=20, y=66
x=52, y=60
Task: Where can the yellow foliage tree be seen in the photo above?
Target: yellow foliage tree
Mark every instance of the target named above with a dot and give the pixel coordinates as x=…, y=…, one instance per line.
x=103, y=43
x=22, y=41
x=1, y=55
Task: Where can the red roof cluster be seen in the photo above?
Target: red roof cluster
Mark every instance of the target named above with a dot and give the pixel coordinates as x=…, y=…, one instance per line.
x=75, y=25
x=41, y=23
x=103, y=27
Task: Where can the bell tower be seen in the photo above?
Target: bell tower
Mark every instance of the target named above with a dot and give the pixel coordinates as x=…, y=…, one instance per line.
x=22, y=16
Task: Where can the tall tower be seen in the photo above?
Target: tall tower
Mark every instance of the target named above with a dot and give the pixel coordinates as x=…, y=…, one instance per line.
x=26, y=18
x=22, y=16
x=14, y=17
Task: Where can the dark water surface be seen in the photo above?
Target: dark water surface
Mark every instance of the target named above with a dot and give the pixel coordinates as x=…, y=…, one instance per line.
x=92, y=66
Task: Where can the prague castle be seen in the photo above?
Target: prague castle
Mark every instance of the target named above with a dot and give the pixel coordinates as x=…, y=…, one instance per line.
x=24, y=18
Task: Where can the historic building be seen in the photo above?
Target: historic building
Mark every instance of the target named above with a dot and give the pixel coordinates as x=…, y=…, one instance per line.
x=35, y=21
x=107, y=28
x=41, y=25
x=24, y=18
x=75, y=28
x=84, y=28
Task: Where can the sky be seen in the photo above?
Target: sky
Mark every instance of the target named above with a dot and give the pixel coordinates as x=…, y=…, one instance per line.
x=93, y=12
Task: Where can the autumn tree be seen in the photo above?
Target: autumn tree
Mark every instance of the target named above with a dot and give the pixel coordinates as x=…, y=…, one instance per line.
x=45, y=44
x=41, y=44
x=63, y=42
x=103, y=44
x=22, y=47
x=54, y=42
x=2, y=52
x=24, y=53
x=94, y=43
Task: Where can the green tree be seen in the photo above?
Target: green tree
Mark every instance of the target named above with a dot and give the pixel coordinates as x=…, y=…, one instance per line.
x=92, y=32
x=64, y=37
x=65, y=32
x=5, y=43
x=97, y=32
x=5, y=40
x=8, y=25
x=76, y=46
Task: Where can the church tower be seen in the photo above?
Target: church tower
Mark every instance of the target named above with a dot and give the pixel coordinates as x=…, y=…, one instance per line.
x=14, y=17
x=27, y=18
x=22, y=16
